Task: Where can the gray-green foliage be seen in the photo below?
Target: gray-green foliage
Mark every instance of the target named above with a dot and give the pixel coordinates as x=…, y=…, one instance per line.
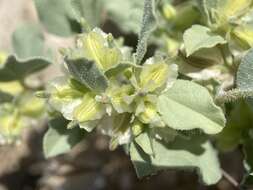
x=58, y=139
x=63, y=17
x=28, y=41
x=198, y=37
x=182, y=153
x=17, y=69
x=91, y=10
x=147, y=27
x=126, y=14
x=244, y=73
x=57, y=16
x=87, y=73
x=188, y=106
x=30, y=54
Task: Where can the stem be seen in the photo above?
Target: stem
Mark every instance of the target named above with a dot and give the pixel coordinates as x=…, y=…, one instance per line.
x=233, y=95
x=230, y=179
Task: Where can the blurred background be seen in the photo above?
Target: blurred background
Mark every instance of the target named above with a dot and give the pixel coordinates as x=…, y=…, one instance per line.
x=90, y=165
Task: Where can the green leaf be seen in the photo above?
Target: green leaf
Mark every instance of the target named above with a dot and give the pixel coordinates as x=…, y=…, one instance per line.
x=198, y=37
x=194, y=153
x=91, y=10
x=147, y=27
x=18, y=69
x=28, y=44
x=126, y=14
x=187, y=105
x=57, y=16
x=244, y=78
x=59, y=140
x=145, y=142
x=87, y=73
x=5, y=97
x=28, y=41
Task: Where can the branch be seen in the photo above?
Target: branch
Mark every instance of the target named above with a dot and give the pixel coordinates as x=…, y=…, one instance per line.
x=233, y=95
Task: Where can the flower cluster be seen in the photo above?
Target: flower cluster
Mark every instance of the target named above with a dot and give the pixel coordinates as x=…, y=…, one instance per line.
x=120, y=98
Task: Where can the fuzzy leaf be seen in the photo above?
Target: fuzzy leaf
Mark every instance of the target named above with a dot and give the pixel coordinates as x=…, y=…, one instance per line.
x=91, y=10
x=57, y=16
x=147, y=27
x=187, y=105
x=181, y=153
x=198, y=37
x=87, y=73
x=28, y=41
x=245, y=72
x=58, y=139
x=126, y=14
x=16, y=69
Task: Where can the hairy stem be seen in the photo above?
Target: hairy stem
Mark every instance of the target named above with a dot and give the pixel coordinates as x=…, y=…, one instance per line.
x=233, y=95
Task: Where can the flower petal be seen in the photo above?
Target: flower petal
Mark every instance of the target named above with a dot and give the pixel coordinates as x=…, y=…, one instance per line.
x=89, y=109
x=96, y=48
x=154, y=76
